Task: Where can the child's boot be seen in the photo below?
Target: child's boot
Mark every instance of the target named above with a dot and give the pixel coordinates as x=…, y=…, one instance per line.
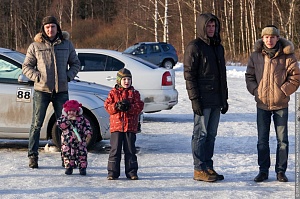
x=82, y=171
x=69, y=171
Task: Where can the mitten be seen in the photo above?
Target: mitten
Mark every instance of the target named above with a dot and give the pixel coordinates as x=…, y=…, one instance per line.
x=224, y=109
x=197, y=107
x=126, y=105
x=123, y=105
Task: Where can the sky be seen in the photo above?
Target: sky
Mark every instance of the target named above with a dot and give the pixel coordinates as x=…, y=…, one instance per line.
x=164, y=157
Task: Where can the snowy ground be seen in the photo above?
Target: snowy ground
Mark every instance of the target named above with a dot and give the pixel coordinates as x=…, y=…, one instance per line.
x=165, y=160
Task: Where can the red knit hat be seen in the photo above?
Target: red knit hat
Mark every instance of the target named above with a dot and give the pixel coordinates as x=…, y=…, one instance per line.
x=72, y=105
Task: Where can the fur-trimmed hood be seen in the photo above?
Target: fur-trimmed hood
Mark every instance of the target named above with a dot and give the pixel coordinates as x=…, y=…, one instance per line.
x=286, y=45
x=39, y=38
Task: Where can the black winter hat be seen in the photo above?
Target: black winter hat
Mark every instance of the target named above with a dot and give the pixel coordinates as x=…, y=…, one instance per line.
x=49, y=19
x=123, y=73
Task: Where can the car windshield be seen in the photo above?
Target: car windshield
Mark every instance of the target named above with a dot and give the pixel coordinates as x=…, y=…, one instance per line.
x=150, y=65
x=17, y=56
x=131, y=49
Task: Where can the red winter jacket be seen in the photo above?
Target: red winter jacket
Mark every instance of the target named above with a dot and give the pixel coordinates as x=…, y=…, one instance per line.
x=124, y=121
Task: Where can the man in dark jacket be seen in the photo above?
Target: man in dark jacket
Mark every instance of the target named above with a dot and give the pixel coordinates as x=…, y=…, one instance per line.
x=206, y=84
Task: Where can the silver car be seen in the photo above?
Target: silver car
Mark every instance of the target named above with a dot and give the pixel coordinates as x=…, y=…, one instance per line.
x=16, y=98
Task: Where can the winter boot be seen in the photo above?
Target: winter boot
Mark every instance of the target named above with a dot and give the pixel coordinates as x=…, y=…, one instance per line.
x=33, y=162
x=203, y=175
x=69, y=171
x=213, y=172
x=134, y=177
x=82, y=171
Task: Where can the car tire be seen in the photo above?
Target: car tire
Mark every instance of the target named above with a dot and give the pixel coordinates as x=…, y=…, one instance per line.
x=168, y=64
x=56, y=134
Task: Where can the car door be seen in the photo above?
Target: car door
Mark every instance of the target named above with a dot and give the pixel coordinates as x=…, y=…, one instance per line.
x=16, y=101
x=99, y=68
x=155, y=54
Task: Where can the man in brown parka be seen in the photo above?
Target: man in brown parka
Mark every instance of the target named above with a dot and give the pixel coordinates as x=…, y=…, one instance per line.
x=272, y=76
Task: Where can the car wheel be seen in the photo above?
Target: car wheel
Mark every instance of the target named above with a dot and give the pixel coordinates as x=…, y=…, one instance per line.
x=168, y=64
x=56, y=139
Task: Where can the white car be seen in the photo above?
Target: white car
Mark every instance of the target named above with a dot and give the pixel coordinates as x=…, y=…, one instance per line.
x=156, y=85
x=16, y=98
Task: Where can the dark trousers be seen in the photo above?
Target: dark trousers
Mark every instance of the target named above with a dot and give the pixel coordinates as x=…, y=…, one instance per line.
x=127, y=140
x=280, y=118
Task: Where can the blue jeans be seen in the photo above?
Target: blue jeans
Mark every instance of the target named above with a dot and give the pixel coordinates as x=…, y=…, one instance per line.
x=41, y=101
x=280, y=118
x=204, y=136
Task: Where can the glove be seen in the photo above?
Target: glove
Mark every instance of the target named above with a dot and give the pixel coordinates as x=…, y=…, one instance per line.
x=196, y=107
x=224, y=109
x=123, y=105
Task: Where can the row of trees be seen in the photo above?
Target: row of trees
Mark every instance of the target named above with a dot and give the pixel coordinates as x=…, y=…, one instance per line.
x=118, y=24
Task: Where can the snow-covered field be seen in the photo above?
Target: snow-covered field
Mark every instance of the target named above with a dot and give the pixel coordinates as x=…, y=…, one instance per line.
x=165, y=160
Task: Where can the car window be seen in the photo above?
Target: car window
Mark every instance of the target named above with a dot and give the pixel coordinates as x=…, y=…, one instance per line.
x=9, y=70
x=141, y=50
x=113, y=64
x=155, y=49
x=92, y=62
x=165, y=47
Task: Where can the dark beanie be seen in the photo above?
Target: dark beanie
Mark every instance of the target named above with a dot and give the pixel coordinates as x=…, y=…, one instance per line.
x=123, y=73
x=49, y=19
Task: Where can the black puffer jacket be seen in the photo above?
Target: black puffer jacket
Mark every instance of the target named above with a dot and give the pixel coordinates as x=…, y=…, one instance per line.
x=204, y=66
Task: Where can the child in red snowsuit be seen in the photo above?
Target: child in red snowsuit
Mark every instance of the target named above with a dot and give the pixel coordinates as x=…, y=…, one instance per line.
x=75, y=131
x=124, y=106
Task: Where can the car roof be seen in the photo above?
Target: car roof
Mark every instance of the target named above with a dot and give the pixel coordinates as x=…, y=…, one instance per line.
x=150, y=42
x=117, y=54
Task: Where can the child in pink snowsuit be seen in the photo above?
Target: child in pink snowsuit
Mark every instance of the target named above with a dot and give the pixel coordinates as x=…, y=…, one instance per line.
x=75, y=131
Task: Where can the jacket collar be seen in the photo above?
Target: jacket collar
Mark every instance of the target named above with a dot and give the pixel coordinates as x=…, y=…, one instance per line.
x=287, y=47
x=39, y=38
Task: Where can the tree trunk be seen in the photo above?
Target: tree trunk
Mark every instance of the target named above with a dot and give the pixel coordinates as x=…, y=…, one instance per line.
x=166, y=31
x=181, y=26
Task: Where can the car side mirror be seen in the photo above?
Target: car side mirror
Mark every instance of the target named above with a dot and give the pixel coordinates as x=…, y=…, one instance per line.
x=22, y=79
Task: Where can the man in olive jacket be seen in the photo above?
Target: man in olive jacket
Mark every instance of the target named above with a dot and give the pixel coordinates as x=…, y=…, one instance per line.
x=272, y=76
x=51, y=62
x=206, y=84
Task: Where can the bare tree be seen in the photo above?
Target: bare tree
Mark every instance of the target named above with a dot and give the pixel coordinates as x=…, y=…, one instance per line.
x=166, y=28
x=242, y=35
x=181, y=26
x=227, y=25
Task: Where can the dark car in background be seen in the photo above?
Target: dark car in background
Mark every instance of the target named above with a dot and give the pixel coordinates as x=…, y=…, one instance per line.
x=161, y=54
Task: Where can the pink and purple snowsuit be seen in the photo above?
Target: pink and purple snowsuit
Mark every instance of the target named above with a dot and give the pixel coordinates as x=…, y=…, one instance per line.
x=72, y=150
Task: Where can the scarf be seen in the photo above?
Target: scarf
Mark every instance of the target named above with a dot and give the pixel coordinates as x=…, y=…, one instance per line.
x=271, y=51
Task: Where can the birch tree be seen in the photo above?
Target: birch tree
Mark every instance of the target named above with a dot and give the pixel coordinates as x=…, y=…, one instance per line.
x=181, y=26
x=166, y=28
